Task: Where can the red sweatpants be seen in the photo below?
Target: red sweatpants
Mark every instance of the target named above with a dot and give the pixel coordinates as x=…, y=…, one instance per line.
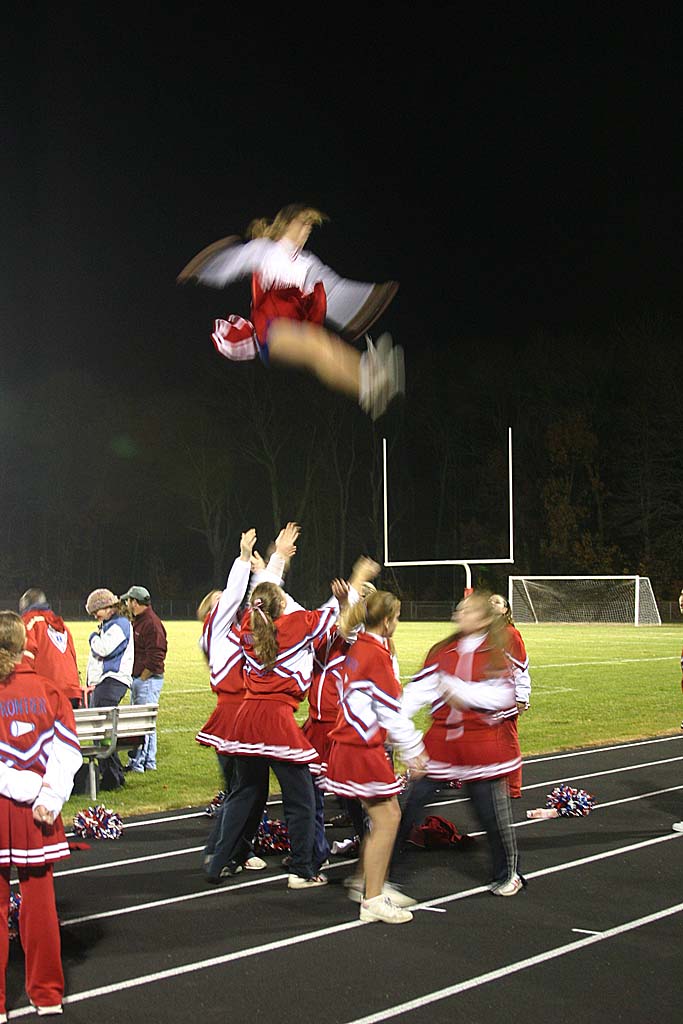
x=514, y=779
x=39, y=931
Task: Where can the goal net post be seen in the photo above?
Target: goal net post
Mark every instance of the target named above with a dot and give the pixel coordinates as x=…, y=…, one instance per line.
x=583, y=599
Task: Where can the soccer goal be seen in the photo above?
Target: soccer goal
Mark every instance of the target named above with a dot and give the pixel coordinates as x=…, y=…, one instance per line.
x=583, y=599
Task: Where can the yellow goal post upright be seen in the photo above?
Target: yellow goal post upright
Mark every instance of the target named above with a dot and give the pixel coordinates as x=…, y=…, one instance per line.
x=466, y=563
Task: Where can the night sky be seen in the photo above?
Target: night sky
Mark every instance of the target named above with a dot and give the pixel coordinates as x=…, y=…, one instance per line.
x=517, y=173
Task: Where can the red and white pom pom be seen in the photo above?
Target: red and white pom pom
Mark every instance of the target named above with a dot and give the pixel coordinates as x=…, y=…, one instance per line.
x=98, y=823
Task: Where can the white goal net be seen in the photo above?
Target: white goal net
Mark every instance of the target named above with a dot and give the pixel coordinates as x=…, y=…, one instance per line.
x=583, y=599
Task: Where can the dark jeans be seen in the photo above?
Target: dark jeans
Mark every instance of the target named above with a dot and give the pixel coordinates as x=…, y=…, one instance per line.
x=243, y=807
x=491, y=802
x=108, y=694
x=321, y=847
x=245, y=848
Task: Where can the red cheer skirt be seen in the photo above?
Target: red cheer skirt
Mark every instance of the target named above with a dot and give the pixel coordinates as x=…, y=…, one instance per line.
x=25, y=844
x=267, y=728
x=220, y=725
x=485, y=753
x=238, y=339
x=361, y=771
x=318, y=735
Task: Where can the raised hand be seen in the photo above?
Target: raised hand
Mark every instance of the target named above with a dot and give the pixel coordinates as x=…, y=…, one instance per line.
x=364, y=570
x=285, y=543
x=247, y=541
x=340, y=590
x=257, y=562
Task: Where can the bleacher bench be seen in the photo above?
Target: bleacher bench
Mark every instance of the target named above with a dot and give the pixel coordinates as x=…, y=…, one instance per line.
x=102, y=731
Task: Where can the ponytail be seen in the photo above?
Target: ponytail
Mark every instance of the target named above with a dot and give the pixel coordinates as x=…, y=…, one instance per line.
x=12, y=642
x=266, y=606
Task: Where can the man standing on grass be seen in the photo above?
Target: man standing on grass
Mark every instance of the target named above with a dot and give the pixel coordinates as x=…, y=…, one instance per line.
x=148, y=669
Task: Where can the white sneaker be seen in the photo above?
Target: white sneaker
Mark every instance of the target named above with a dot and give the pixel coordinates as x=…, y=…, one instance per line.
x=509, y=888
x=397, y=897
x=380, y=908
x=677, y=826
x=355, y=888
x=48, y=1011
x=297, y=882
x=255, y=864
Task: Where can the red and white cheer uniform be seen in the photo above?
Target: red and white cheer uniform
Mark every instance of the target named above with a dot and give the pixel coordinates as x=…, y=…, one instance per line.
x=369, y=712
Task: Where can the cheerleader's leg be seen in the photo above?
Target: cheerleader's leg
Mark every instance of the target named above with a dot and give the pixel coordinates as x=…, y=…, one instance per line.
x=239, y=816
x=492, y=806
x=298, y=804
x=4, y=933
x=321, y=847
x=385, y=817
x=310, y=347
x=418, y=793
x=39, y=931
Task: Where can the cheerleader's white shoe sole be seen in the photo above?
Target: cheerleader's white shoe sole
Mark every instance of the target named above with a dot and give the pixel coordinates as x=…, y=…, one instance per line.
x=297, y=882
x=381, y=908
x=509, y=888
x=48, y=1011
x=255, y=864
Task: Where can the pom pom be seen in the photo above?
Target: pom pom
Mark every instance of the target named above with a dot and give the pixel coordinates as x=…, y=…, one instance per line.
x=212, y=810
x=13, y=920
x=98, y=823
x=272, y=836
x=570, y=802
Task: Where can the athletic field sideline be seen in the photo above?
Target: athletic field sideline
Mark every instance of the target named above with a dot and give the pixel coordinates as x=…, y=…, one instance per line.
x=596, y=935
x=592, y=685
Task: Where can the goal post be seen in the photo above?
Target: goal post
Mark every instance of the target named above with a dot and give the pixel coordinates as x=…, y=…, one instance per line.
x=466, y=563
x=583, y=599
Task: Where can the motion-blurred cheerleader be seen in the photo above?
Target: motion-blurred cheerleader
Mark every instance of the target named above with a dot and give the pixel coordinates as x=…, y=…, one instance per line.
x=293, y=294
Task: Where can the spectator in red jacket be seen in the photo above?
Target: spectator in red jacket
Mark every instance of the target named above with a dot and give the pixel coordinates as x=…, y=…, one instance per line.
x=148, y=669
x=50, y=647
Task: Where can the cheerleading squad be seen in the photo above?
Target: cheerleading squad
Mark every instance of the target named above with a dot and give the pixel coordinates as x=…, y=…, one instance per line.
x=266, y=654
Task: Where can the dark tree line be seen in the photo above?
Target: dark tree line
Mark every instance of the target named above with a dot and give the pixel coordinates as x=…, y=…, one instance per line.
x=155, y=485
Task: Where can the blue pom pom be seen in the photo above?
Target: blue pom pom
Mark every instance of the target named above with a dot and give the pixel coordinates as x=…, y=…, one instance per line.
x=272, y=836
x=98, y=823
x=570, y=802
x=13, y=920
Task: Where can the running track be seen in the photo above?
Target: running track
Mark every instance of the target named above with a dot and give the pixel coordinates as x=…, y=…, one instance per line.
x=596, y=936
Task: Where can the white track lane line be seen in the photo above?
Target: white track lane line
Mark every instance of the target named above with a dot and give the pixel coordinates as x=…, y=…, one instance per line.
x=216, y=890
x=278, y=878
x=601, y=750
x=243, y=954
x=533, y=760
x=516, y=967
x=441, y=803
x=560, y=782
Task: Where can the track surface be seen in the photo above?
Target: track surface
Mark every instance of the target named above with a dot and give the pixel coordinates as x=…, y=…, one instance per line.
x=595, y=936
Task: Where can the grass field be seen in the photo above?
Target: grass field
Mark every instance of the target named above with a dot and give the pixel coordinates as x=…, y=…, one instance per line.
x=590, y=685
